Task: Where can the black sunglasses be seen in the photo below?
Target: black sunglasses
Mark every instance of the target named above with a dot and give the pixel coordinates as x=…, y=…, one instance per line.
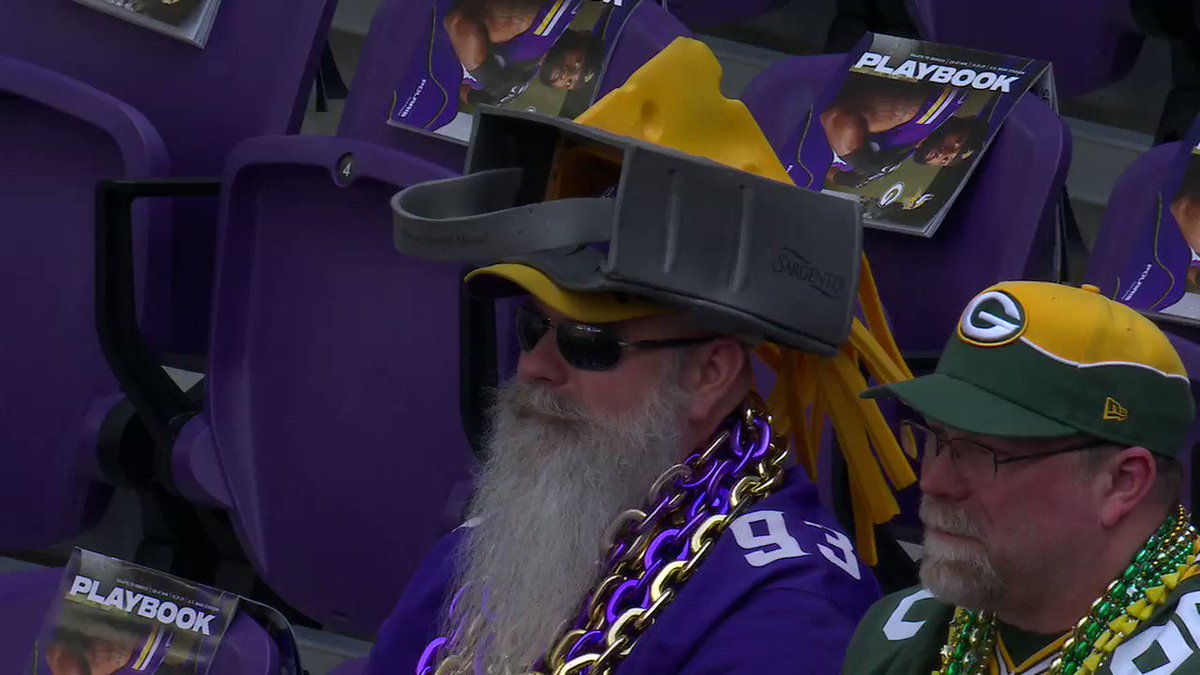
x=587, y=346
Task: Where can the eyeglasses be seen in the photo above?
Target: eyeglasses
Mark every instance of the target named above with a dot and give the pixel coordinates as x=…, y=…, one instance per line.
x=976, y=461
x=586, y=346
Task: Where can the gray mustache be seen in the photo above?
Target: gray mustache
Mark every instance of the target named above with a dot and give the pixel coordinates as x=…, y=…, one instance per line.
x=530, y=400
x=947, y=518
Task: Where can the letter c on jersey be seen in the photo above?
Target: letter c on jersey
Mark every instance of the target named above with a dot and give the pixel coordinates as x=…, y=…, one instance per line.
x=897, y=627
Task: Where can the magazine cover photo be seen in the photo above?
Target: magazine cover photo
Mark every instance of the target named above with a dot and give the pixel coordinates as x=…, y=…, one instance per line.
x=114, y=618
x=904, y=146
x=906, y=124
x=545, y=55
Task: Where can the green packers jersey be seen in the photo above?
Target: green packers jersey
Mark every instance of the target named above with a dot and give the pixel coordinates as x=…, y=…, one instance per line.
x=903, y=633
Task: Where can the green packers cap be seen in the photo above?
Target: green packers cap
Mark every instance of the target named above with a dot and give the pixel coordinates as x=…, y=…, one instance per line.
x=1042, y=360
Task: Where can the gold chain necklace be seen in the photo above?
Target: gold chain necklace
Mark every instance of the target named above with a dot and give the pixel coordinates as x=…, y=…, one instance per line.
x=1167, y=557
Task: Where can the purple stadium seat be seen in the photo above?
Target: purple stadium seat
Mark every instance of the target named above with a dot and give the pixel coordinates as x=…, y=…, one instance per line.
x=332, y=399
x=1002, y=226
x=1130, y=205
x=253, y=78
x=86, y=97
x=26, y=598
x=60, y=139
x=1186, y=340
x=381, y=65
x=1099, y=47
x=330, y=428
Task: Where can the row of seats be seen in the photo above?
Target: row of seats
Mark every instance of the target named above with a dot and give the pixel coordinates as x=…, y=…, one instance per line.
x=83, y=98
x=329, y=429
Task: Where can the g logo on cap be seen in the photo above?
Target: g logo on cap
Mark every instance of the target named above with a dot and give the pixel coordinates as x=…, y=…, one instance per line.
x=992, y=319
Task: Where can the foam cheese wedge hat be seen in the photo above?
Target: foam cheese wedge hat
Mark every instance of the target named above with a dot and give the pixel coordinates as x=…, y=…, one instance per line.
x=666, y=196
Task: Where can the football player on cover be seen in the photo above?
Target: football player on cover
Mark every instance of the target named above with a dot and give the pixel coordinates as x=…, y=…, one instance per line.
x=875, y=123
x=636, y=512
x=503, y=44
x=107, y=645
x=1054, y=538
x=575, y=59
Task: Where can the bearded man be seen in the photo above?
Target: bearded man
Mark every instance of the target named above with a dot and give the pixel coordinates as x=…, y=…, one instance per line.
x=571, y=448
x=1054, y=538
x=634, y=513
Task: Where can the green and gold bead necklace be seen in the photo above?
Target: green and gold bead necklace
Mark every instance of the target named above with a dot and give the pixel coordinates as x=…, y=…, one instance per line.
x=1168, y=557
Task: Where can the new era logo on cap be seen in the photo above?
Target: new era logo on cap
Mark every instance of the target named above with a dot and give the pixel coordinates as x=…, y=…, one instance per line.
x=1114, y=411
x=992, y=319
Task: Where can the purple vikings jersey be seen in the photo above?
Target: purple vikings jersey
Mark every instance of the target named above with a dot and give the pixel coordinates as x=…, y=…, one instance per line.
x=529, y=47
x=149, y=654
x=780, y=593
x=551, y=21
x=932, y=114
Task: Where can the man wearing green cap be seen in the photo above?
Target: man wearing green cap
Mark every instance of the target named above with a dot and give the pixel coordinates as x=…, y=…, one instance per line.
x=1054, y=539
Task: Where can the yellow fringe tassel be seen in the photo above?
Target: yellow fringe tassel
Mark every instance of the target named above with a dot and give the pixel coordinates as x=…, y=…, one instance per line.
x=810, y=390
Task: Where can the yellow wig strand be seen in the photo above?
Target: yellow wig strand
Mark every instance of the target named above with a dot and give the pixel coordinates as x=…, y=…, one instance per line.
x=811, y=390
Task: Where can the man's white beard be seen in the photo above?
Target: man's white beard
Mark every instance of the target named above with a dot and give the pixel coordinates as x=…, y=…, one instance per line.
x=555, y=479
x=960, y=574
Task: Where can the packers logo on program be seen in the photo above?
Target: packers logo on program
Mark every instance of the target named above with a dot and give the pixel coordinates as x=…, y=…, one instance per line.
x=992, y=319
x=892, y=194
